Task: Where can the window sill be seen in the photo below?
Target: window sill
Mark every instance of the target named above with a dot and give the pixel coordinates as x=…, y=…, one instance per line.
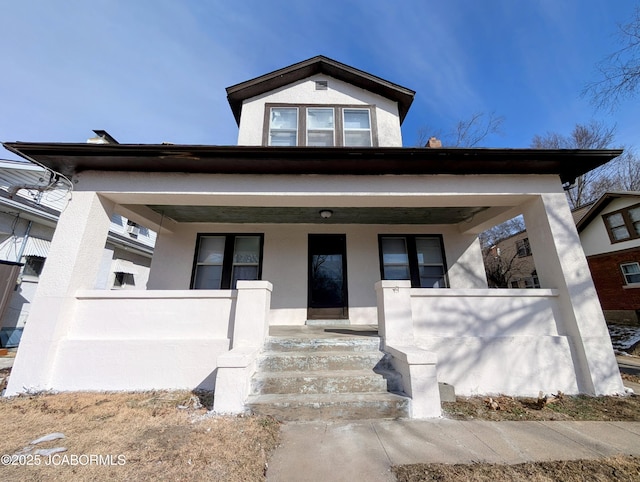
x=30, y=278
x=631, y=286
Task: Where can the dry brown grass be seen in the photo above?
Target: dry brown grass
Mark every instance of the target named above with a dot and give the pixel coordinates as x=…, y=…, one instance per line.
x=564, y=408
x=155, y=439
x=615, y=468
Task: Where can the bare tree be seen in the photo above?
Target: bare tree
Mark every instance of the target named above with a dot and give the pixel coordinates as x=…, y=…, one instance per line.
x=494, y=235
x=626, y=175
x=620, y=71
x=502, y=261
x=467, y=132
x=595, y=135
x=499, y=266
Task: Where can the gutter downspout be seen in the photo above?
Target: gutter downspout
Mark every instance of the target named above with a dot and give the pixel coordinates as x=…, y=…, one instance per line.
x=24, y=242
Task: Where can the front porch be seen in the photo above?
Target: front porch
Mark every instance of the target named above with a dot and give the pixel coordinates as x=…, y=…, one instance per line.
x=170, y=336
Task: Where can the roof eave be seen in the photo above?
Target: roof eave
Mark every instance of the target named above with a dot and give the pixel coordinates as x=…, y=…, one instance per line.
x=73, y=158
x=599, y=205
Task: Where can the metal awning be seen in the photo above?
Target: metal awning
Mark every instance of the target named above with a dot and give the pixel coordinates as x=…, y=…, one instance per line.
x=37, y=247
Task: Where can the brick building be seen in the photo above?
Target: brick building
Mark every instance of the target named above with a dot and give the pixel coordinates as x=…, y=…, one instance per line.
x=610, y=236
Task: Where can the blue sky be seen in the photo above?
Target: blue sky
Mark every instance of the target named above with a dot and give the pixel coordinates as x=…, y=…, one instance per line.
x=150, y=71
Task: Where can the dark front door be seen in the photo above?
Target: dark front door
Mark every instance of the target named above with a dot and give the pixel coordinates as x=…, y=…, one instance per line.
x=327, y=277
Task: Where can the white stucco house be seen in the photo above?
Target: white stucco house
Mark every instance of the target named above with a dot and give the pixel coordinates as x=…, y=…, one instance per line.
x=317, y=213
x=30, y=203
x=610, y=234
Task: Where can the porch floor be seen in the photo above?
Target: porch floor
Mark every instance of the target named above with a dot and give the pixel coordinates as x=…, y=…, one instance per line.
x=326, y=331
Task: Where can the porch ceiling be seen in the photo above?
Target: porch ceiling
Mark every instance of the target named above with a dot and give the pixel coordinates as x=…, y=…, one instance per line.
x=311, y=215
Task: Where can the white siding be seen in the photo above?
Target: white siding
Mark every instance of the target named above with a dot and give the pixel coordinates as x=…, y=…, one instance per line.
x=594, y=237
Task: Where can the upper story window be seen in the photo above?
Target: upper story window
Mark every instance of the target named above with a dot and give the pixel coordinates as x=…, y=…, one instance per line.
x=357, y=127
x=624, y=224
x=523, y=248
x=416, y=258
x=283, y=126
x=320, y=125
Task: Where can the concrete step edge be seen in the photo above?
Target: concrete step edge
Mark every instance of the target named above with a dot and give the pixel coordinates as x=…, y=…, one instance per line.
x=332, y=398
x=317, y=374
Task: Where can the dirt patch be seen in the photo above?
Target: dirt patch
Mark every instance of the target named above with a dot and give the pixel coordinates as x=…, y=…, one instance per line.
x=553, y=408
x=614, y=468
x=141, y=436
x=630, y=377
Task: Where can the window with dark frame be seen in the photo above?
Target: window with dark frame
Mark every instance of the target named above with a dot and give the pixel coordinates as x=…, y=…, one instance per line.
x=631, y=273
x=320, y=125
x=623, y=224
x=523, y=248
x=223, y=259
x=419, y=258
x=33, y=266
x=124, y=279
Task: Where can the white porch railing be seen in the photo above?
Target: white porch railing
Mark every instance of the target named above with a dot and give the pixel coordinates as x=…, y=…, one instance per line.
x=482, y=340
x=163, y=339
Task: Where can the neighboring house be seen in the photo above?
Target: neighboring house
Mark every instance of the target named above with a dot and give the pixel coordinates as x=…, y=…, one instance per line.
x=30, y=204
x=610, y=236
x=510, y=264
x=318, y=213
x=609, y=230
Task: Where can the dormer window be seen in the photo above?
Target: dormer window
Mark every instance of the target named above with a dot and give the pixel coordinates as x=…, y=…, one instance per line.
x=319, y=126
x=357, y=128
x=283, y=126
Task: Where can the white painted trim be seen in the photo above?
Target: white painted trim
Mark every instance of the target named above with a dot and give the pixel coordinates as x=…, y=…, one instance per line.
x=484, y=293
x=154, y=294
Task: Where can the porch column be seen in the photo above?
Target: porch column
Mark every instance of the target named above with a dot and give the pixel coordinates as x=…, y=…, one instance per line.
x=250, y=329
x=251, y=324
x=395, y=323
x=561, y=264
x=72, y=264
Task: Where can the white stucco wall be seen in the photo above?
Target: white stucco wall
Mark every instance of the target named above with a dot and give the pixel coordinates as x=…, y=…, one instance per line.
x=594, y=237
x=495, y=341
x=285, y=262
x=304, y=92
x=144, y=340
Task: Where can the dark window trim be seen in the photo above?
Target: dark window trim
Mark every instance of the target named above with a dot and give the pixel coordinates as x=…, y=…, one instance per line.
x=624, y=276
x=121, y=279
x=412, y=253
x=33, y=266
x=227, y=262
x=524, y=245
x=302, y=121
x=633, y=234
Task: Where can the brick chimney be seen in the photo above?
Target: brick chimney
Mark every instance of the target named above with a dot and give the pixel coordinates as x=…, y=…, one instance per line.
x=434, y=142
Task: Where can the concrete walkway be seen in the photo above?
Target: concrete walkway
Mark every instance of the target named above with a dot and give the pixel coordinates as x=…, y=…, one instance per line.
x=365, y=450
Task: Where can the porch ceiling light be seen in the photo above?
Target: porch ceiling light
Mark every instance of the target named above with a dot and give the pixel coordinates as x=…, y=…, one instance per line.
x=326, y=213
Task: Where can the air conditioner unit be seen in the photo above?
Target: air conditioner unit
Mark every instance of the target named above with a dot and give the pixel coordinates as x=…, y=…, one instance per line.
x=133, y=230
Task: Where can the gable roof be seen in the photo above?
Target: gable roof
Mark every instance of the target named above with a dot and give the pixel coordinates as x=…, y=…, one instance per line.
x=320, y=64
x=600, y=204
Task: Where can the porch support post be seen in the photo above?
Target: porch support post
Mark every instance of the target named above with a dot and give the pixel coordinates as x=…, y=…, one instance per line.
x=250, y=329
x=561, y=264
x=416, y=365
x=395, y=324
x=251, y=325
x=72, y=264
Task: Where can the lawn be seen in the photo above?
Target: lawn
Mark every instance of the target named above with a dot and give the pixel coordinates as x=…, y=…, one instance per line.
x=130, y=436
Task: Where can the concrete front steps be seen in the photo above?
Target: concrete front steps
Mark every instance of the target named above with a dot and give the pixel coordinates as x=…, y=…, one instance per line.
x=326, y=377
